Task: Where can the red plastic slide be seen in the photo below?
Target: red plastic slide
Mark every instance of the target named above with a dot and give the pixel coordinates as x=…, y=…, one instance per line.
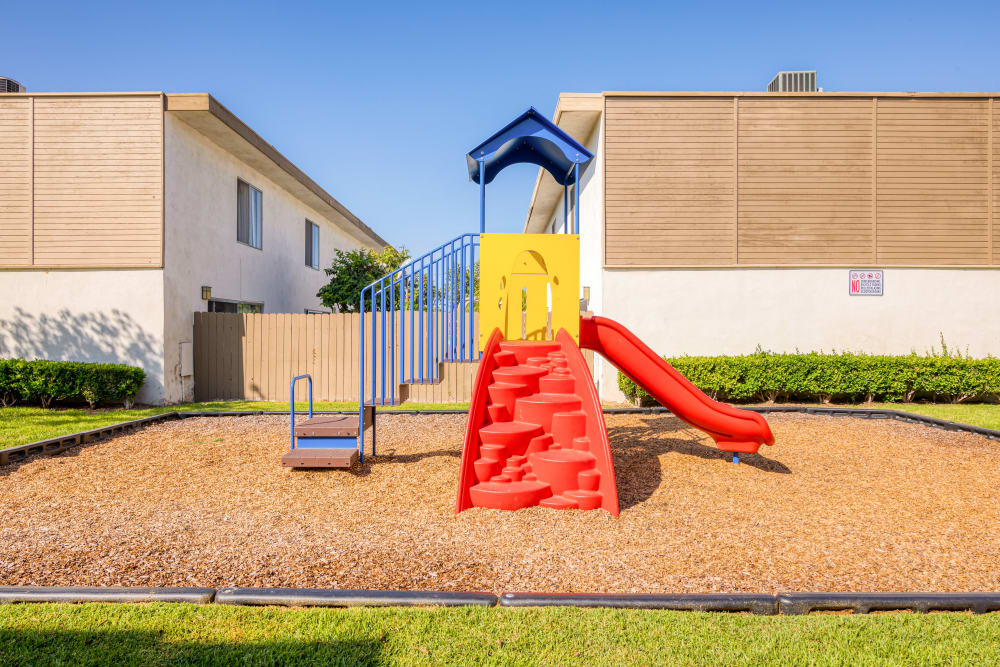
x=733, y=430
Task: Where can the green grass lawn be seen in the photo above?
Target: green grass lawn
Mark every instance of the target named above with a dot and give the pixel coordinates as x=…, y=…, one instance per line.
x=977, y=414
x=187, y=634
x=20, y=425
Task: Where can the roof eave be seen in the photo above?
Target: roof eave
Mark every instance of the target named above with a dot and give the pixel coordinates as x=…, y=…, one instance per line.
x=187, y=103
x=590, y=104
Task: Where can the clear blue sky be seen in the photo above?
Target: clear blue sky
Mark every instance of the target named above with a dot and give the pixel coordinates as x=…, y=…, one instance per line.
x=379, y=102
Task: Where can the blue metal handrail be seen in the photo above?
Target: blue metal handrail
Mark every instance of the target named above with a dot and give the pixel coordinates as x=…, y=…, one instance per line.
x=291, y=401
x=438, y=289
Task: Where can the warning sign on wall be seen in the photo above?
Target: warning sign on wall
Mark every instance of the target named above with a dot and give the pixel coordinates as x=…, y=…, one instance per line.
x=866, y=282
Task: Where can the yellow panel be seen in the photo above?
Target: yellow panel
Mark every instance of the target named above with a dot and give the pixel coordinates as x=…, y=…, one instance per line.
x=518, y=269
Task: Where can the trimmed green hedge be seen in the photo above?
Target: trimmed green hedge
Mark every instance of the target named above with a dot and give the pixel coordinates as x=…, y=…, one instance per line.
x=71, y=381
x=845, y=377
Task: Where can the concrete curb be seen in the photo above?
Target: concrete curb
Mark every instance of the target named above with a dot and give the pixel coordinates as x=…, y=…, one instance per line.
x=14, y=594
x=731, y=602
x=328, y=597
x=864, y=603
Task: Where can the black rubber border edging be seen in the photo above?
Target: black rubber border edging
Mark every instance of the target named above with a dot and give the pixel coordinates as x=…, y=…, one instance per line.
x=864, y=603
x=789, y=604
x=730, y=602
x=76, y=594
x=860, y=413
x=54, y=446
x=329, y=597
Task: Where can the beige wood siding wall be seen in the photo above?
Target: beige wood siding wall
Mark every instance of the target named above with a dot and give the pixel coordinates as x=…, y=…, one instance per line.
x=805, y=181
x=669, y=169
x=94, y=173
x=932, y=181
x=824, y=180
x=995, y=173
x=15, y=181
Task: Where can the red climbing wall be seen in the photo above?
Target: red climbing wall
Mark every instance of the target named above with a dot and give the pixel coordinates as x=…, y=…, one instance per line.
x=536, y=432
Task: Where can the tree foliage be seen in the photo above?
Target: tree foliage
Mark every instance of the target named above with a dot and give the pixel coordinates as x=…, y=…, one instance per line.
x=352, y=271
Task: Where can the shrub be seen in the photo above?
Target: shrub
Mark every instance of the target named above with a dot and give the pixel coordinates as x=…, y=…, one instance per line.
x=72, y=381
x=11, y=371
x=848, y=377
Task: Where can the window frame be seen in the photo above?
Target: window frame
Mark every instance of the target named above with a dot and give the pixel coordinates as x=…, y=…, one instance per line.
x=312, y=244
x=260, y=211
x=238, y=304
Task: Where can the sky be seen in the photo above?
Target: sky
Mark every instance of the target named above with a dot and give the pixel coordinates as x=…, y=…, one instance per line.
x=379, y=102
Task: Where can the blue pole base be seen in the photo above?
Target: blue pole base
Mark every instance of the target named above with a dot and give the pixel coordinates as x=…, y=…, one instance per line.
x=736, y=457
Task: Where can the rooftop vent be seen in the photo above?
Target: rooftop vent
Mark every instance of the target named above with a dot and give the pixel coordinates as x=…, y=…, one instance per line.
x=11, y=86
x=799, y=81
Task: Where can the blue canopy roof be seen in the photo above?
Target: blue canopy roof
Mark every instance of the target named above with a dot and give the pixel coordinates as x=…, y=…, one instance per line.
x=529, y=138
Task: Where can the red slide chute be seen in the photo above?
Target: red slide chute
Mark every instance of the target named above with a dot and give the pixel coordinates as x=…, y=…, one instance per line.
x=733, y=430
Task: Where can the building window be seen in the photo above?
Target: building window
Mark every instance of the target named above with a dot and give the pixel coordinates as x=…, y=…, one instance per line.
x=312, y=244
x=249, y=215
x=224, y=306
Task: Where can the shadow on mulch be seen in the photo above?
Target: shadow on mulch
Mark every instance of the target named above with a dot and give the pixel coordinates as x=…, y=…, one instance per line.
x=636, y=451
x=392, y=457
x=365, y=469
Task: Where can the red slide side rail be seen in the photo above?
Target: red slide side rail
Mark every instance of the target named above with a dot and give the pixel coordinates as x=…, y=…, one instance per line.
x=732, y=429
x=477, y=414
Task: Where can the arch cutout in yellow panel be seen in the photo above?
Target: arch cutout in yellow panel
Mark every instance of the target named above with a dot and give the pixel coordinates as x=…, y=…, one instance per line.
x=529, y=286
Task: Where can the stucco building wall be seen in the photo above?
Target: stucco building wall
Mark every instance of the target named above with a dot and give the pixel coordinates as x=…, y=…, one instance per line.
x=201, y=247
x=107, y=316
x=720, y=311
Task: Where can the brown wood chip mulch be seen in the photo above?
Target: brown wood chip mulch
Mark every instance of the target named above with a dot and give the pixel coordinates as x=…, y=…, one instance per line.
x=837, y=505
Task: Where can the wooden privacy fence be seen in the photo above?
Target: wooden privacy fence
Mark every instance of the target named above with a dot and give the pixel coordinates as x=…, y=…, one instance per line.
x=254, y=356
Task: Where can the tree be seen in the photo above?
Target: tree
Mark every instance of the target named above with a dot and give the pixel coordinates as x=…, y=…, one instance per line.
x=352, y=271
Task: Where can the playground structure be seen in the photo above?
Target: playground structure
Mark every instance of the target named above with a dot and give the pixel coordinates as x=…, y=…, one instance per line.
x=535, y=433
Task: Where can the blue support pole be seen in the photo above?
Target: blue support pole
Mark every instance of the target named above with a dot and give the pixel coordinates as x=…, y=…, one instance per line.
x=392, y=341
x=291, y=401
x=381, y=373
x=420, y=319
x=452, y=299
x=413, y=295
x=374, y=343
x=482, y=196
x=565, y=208
x=431, y=328
x=402, y=326
x=461, y=302
x=576, y=194
x=472, y=301
x=439, y=315
x=361, y=379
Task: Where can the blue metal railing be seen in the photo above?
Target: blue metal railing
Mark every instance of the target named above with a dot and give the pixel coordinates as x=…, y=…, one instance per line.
x=291, y=401
x=421, y=314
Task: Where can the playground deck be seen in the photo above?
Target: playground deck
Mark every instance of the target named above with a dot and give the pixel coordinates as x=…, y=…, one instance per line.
x=843, y=504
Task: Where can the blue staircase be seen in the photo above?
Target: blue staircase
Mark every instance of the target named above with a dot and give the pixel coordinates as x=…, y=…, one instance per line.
x=414, y=319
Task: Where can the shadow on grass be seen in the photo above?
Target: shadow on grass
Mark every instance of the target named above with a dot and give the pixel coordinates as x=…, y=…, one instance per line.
x=135, y=647
x=636, y=451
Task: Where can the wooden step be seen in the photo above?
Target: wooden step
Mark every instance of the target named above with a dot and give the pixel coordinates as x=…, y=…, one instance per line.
x=333, y=426
x=320, y=458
